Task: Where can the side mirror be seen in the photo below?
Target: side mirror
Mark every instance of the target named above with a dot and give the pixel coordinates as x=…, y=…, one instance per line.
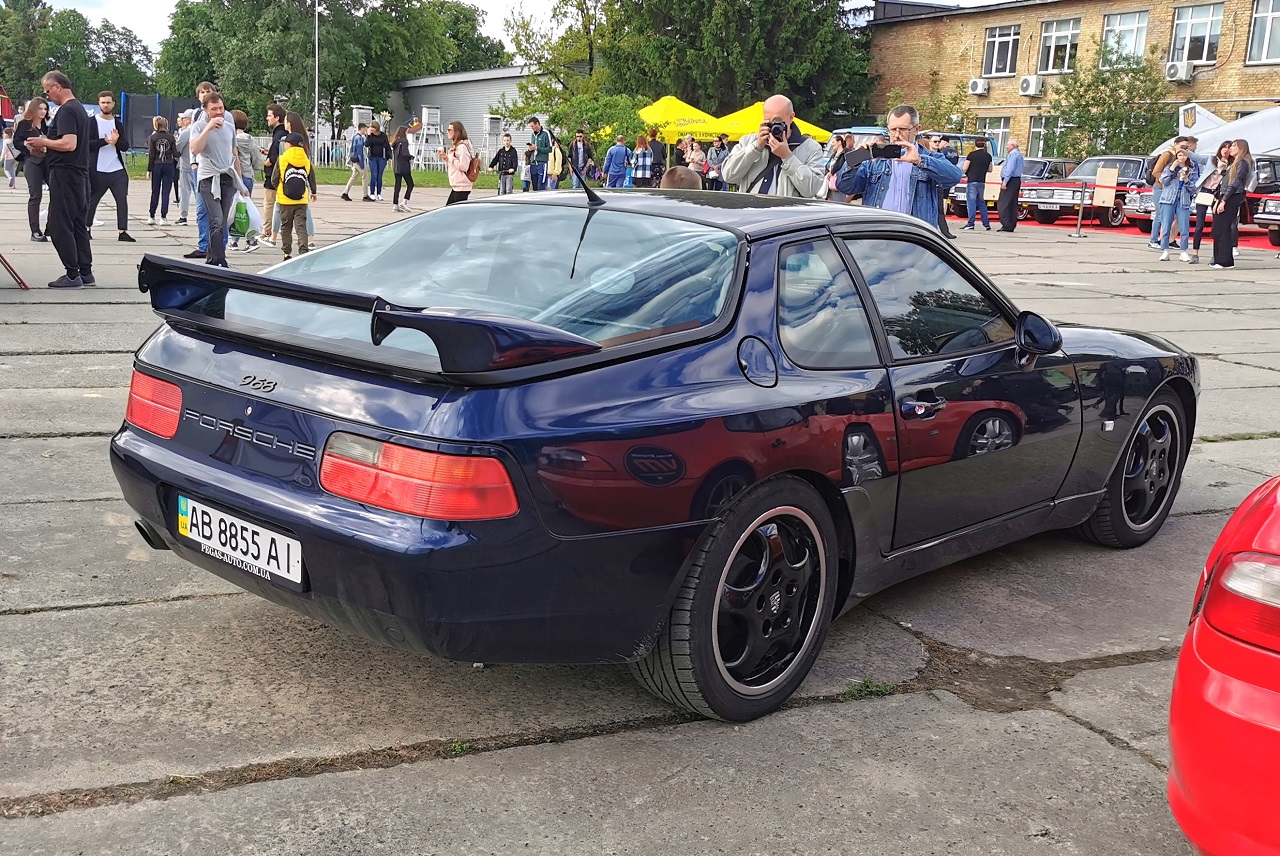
x=1036, y=334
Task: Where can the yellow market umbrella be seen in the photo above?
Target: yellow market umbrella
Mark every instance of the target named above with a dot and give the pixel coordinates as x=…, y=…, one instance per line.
x=674, y=118
x=747, y=121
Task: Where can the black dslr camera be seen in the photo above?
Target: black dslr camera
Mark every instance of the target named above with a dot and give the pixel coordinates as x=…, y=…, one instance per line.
x=778, y=130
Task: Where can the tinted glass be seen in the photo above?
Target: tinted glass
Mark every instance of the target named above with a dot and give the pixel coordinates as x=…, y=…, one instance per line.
x=927, y=307
x=610, y=276
x=1130, y=169
x=821, y=320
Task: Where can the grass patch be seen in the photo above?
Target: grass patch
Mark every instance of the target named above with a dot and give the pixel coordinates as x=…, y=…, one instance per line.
x=331, y=175
x=1247, y=435
x=457, y=749
x=869, y=688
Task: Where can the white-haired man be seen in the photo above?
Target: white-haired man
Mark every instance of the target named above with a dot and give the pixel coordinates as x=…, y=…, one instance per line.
x=777, y=160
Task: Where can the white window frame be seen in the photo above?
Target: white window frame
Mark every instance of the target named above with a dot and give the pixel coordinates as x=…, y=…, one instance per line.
x=1010, y=35
x=1133, y=23
x=1056, y=34
x=999, y=132
x=1264, y=25
x=1040, y=126
x=1189, y=19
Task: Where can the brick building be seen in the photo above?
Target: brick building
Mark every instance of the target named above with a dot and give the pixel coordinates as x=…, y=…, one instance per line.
x=1224, y=55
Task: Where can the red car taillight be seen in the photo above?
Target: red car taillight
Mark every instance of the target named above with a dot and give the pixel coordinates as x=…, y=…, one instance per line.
x=1244, y=599
x=154, y=405
x=411, y=481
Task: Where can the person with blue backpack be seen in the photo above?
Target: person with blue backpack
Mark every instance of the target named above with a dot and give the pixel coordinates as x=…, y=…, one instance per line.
x=1177, y=189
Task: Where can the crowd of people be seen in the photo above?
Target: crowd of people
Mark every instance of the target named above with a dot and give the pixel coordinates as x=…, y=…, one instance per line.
x=1190, y=185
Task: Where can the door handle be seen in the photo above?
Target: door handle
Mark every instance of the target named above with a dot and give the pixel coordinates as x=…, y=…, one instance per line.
x=914, y=408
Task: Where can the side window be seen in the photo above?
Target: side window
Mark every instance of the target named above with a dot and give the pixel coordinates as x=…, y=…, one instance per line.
x=927, y=307
x=821, y=320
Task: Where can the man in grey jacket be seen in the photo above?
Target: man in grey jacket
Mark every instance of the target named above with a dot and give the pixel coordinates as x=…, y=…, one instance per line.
x=186, y=179
x=778, y=160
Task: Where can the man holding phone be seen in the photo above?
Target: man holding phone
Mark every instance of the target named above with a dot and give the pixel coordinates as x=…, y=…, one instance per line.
x=899, y=176
x=778, y=160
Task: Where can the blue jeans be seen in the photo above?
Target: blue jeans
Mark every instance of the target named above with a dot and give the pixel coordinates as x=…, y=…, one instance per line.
x=577, y=185
x=975, y=197
x=618, y=180
x=1159, y=222
x=538, y=176
x=1167, y=212
x=377, y=166
x=202, y=222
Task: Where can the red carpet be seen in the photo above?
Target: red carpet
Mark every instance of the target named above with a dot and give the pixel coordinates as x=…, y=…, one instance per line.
x=1251, y=237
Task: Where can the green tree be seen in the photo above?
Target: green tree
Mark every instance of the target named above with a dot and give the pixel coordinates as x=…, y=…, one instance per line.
x=474, y=50
x=122, y=62
x=22, y=23
x=65, y=45
x=941, y=109
x=186, y=56
x=1113, y=105
x=723, y=54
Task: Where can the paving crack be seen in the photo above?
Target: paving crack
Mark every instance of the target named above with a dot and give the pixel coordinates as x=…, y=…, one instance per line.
x=75, y=607
x=56, y=435
x=1112, y=738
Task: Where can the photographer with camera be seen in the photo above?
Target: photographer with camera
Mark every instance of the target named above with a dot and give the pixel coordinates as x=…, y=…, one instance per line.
x=778, y=160
x=899, y=176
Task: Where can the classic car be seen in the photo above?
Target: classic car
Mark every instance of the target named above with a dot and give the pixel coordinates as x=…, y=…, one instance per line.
x=1033, y=169
x=1049, y=200
x=491, y=432
x=1140, y=200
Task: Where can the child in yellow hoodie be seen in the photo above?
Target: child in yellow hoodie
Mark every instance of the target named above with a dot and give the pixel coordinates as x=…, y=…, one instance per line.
x=293, y=176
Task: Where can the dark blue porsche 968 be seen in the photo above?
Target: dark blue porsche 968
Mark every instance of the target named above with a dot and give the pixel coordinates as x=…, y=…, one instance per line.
x=683, y=431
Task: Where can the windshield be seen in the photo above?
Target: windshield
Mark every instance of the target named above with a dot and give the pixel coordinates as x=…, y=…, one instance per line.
x=612, y=277
x=1130, y=168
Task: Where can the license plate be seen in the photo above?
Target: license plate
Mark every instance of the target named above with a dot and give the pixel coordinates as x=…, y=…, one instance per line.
x=1044, y=207
x=239, y=543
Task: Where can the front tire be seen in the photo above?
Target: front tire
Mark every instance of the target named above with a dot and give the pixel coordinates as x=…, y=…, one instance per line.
x=1142, y=488
x=1273, y=235
x=1112, y=218
x=1144, y=226
x=1045, y=218
x=754, y=608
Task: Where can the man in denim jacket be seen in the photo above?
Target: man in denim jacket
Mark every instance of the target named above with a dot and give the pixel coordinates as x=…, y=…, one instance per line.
x=909, y=184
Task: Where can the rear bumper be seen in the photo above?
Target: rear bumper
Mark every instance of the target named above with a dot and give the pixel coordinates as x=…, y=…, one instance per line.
x=499, y=591
x=1224, y=739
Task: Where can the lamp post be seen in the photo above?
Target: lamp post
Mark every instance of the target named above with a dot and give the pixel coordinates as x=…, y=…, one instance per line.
x=316, y=121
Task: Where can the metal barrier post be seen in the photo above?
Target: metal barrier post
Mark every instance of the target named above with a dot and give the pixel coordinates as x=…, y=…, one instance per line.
x=1078, y=233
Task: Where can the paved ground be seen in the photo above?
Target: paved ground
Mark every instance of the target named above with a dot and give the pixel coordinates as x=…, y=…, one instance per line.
x=146, y=707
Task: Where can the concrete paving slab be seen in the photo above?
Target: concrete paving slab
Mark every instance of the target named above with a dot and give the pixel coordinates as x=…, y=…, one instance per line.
x=1223, y=412
x=1219, y=342
x=1176, y=322
x=1242, y=302
x=99, y=296
x=51, y=412
x=1212, y=484
x=56, y=469
x=1266, y=360
x=57, y=555
x=94, y=313
x=1131, y=702
x=918, y=775
x=1259, y=457
x=94, y=339
x=1056, y=598
x=123, y=694
x=65, y=371
x=1217, y=374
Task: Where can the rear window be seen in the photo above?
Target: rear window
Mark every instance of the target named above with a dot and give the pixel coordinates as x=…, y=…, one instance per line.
x=609, y=276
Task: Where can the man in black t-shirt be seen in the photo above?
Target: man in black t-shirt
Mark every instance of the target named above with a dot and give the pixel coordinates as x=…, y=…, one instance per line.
x=976, y=166
x=67, y=145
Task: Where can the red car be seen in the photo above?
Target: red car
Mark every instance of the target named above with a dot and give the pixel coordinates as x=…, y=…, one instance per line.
x=1224, y=721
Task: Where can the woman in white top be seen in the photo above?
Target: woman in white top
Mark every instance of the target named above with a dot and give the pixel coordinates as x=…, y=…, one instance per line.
x=458, y=160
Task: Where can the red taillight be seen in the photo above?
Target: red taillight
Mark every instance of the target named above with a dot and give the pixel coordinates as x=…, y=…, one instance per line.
x=1244, y=599
x=154, y=405
x=424, y=484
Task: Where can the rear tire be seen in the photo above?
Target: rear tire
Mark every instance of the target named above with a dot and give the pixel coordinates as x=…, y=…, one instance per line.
x=1144, y=226
x=1145, y=482
x=754, y=608
x=961, y=211
x=1273, y=235
x=1023, y=212
x=1046, y=218
x=1112, y=218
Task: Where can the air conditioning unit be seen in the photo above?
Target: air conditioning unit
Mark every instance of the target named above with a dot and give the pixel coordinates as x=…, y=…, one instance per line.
x=979, y=86
x=1032, y=86
x=1178, y=72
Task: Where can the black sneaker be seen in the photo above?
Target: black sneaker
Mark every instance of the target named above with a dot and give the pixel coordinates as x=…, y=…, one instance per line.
x=345, y=197
x=39, y=236
x=65, y=281
x=367, y=199
x=181, y=221
x=125, y=237
x=87, y=279
x=195, y=254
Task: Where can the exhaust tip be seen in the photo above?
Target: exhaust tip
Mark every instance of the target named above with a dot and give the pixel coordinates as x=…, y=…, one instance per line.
x=153, y=539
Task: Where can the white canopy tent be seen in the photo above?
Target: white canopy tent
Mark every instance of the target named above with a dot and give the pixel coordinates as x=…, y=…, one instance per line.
x=1261, y=129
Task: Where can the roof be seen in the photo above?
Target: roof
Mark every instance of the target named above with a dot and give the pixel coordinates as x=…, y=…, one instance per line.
x=468, y=76
x=897, y=12
x=750, y=215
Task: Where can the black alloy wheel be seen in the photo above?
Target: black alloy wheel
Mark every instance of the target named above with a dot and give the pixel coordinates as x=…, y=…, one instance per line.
x=863, y=458
x=754, y=609
x=1024, y=212
x=1145, y=482
x=1113, y=217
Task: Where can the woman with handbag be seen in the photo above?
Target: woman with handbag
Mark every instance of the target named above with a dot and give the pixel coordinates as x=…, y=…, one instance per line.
x=716, y=156
x=462, y=172
x=1177, y=185
x=34, y=123
x=1226, y=213
x=1210, y=178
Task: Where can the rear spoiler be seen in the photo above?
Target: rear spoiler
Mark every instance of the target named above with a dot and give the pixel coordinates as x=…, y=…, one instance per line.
x=468, y=340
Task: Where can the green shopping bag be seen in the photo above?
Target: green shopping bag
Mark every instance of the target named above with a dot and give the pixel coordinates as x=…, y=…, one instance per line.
x=240, y=225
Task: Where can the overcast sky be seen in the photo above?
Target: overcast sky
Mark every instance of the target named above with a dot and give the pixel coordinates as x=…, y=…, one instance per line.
x=151, y=20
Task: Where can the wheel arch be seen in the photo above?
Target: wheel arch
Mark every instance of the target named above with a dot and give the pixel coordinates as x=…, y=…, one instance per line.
x=1187, y=395
x=845, y=542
